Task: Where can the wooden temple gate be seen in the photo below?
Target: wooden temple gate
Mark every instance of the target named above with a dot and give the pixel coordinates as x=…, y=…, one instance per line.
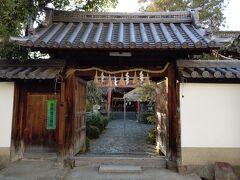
x=68, y=135
x=166, y=96
x=110, y=41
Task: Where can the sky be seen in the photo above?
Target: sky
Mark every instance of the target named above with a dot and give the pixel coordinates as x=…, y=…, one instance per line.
x=232, y=12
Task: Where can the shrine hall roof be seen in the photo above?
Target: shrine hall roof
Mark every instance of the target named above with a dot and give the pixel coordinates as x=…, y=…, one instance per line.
x=145, y=30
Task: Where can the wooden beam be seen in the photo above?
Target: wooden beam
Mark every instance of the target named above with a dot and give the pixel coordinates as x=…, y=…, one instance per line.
x=61, y=117
x=172, y=110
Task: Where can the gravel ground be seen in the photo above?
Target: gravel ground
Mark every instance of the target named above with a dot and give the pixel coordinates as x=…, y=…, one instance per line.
x=123, y=138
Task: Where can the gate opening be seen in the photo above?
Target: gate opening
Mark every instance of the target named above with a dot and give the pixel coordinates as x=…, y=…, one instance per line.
x=136, y=124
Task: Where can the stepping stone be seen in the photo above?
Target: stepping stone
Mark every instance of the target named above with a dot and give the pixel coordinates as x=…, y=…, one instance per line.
x=119, y=169
x=223, y=171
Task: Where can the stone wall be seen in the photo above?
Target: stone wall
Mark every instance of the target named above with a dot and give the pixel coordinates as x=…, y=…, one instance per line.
x=4, y=157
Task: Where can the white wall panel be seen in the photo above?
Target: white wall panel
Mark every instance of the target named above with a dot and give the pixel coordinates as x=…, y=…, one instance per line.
x=210, y=115
x=6, y=112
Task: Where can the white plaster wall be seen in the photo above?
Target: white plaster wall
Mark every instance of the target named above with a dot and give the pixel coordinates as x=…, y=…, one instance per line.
x=210, y=115
x=6, y=112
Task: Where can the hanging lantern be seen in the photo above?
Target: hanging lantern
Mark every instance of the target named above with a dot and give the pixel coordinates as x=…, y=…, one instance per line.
x=110, y=84
x=121, y=82
x=95, y=81
x=147, y=80
x=135, y=79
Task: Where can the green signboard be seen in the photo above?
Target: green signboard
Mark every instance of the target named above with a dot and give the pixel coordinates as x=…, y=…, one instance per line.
x=51, y=114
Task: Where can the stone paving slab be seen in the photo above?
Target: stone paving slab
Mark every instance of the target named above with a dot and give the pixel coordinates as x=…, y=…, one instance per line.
x=94, y=161
x=91, y=173
x=32, y=170
x=119, y=169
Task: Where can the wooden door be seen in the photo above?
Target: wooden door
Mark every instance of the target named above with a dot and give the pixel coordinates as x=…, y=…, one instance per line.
x=37, y=134
x=162, y=116
x=79, y=124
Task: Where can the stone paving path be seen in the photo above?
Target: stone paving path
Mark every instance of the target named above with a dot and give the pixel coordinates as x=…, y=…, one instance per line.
x=33, y=170
x=119, y=140
x=49, y=170
x=91, y=173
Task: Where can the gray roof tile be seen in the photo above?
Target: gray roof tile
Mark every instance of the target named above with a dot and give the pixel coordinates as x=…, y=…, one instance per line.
x=209, y=69
x=31, y=69
x=29, y=72
x=80, y=30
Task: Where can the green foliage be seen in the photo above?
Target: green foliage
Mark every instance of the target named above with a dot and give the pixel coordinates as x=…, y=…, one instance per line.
x=211, y=10
x=151, y=119
x=94, y=95
x=14, y=15
x=95, y=123
x=96, y=119
x=151, y=137
x=12, y=19
x=148, y=92
x=93, y=132
x=147, y=117
x=95, y=5
x=105, y=121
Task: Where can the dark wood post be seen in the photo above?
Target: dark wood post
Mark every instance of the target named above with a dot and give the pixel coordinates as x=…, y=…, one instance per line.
x=15, y=137
x=61, y=123
x=138, y=107
x=109, y=97
x=172, y=110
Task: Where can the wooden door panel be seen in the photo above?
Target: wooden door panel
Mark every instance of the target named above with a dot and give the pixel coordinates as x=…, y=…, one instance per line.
x=79, y=120
x=36, y=133
x=162, y=116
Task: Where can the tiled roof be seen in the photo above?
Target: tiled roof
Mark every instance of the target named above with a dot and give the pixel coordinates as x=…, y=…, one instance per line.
x=9, y=70
x=209, y=69
x=78, y=30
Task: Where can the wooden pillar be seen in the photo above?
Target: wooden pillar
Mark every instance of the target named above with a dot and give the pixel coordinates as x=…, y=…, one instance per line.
x=172, y=110
x=109, y=97
x=138, y=107
x=15, y=137
x=61, y=123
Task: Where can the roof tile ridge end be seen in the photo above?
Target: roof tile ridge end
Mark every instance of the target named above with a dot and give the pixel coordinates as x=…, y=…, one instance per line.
x=48, y=17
